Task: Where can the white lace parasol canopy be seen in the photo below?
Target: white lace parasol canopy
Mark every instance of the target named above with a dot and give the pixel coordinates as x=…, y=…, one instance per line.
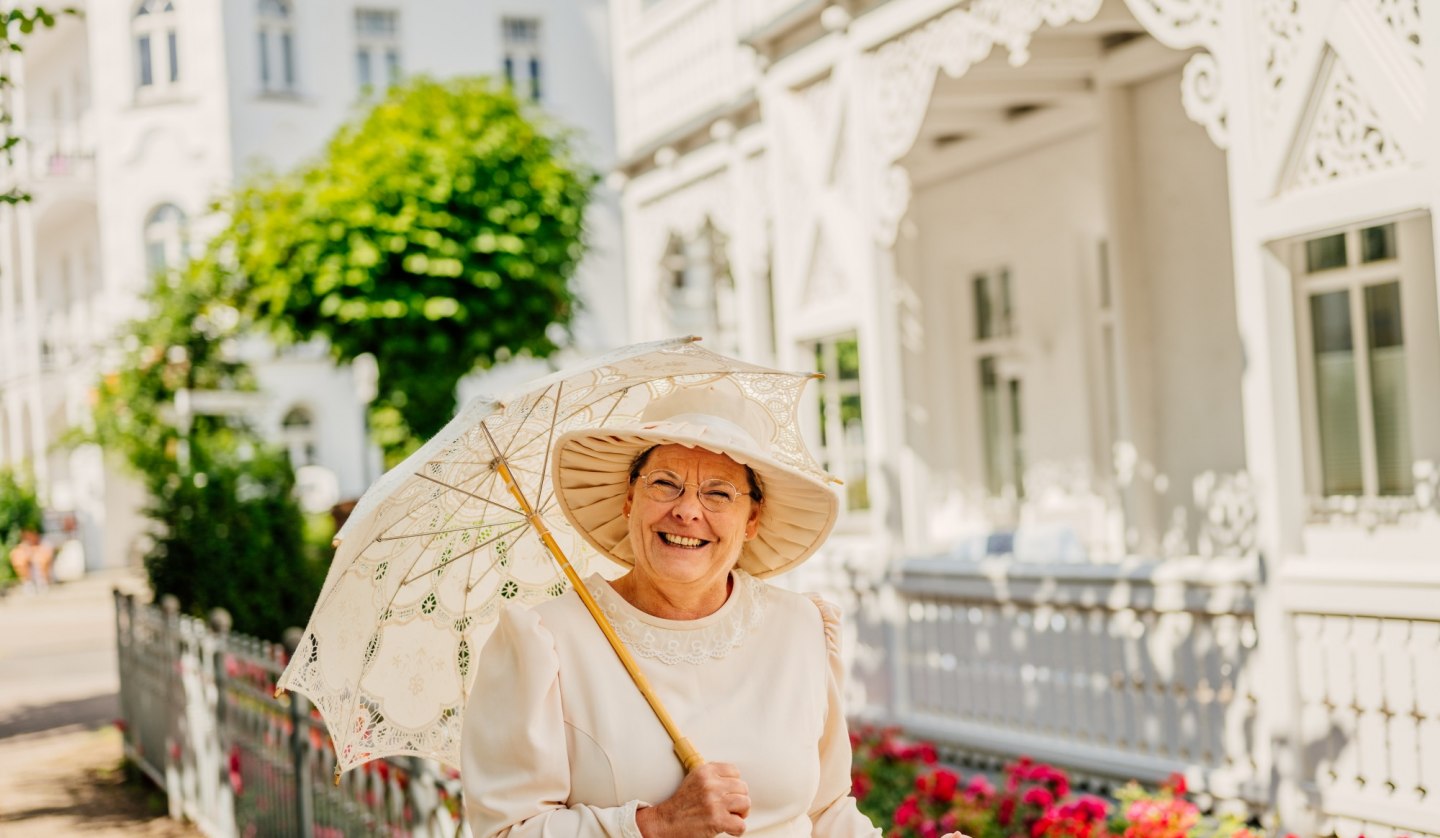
x=437, y=546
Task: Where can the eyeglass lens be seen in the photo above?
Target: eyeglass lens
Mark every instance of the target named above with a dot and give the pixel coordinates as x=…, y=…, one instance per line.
x=715, y=494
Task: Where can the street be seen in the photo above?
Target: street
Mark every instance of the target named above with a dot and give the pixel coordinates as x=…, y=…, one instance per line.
x=60, y=754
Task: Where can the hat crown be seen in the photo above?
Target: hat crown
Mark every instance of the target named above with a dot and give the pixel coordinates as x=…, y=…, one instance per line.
x=709, y=413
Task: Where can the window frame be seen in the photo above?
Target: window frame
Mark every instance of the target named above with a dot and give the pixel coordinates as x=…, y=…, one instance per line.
x=155, y=47
x=829, y=434
x=378, y=51
x=278, y=73
x=1001, y=346
x=523, y=54
x=166, y=225
x=1354, y=278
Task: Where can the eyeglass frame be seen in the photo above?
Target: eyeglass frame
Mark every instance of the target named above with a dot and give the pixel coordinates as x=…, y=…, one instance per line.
x=753, y=494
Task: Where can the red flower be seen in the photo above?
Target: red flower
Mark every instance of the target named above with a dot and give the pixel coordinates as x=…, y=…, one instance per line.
x=943, y=785
x=1007, y=811
x=860, y=785
x=1176, y=783
x=1038, y=796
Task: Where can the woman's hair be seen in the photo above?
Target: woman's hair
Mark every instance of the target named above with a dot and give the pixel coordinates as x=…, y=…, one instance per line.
x=755, y=492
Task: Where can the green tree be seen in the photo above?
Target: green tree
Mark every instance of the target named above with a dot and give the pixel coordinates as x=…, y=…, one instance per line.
x=227, y=529
x=438, y=232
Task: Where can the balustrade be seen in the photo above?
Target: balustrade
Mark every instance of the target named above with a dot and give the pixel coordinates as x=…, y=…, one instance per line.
x=1122, y=671
x=683, y=60
x=203, y=722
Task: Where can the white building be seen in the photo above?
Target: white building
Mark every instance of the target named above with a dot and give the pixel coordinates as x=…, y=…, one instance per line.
x=1128, y=315
x=141, y=113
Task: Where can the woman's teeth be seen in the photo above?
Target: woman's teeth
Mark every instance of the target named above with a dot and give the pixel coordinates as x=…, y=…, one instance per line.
x=681, y=540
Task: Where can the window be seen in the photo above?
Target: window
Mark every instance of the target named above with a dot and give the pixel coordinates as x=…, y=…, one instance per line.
x=699, y=292
x=520, y=43
x=157, y=52
x=377, y=48
x=1356, y=312
x=297, y=434
x=842, y=417
x=164, y=240
x=1001, y=392
x=277, y=47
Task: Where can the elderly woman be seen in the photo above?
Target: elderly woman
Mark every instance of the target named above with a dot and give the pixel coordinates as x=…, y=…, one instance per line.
x=693, y=502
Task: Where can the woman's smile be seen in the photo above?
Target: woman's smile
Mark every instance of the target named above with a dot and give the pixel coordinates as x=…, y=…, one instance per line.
x=683, y=541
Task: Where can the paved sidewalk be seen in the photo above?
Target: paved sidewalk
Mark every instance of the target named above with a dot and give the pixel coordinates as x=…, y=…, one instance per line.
x=59, y=751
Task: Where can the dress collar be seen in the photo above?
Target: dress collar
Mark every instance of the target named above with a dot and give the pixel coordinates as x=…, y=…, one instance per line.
x=686, y=641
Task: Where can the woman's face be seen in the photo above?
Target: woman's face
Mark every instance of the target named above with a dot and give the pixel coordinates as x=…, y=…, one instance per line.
x=664, y=534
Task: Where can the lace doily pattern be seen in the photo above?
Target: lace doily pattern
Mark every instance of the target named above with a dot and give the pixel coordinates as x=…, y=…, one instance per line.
x=674, y=643
x=438, y=546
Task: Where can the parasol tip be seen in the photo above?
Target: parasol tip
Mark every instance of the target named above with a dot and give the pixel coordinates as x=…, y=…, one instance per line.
x=335, y=542
x=279, y=691
x=337, y=776
x=816, y=376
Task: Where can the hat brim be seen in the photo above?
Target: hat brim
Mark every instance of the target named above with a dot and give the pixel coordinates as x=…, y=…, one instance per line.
x=591, y=472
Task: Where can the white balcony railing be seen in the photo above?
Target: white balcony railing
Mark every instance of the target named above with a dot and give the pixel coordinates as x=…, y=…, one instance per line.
x=1125, y=671
x=683, y=60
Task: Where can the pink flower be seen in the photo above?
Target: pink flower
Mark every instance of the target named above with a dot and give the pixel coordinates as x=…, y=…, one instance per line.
x=980, y=788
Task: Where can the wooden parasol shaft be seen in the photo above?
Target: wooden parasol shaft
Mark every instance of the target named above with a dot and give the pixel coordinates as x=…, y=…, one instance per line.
x=689, y=757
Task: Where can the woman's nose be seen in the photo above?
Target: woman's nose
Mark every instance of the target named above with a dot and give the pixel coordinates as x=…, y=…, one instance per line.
x=687, y=506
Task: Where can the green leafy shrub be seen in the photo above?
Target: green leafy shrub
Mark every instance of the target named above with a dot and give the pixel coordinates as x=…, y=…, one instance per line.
x=19, y=511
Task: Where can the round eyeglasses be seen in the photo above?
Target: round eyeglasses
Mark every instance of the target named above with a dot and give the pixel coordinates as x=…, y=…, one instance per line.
x=715, y=494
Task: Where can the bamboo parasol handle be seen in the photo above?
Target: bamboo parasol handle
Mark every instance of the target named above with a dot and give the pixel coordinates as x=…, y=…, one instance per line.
x=689, y=757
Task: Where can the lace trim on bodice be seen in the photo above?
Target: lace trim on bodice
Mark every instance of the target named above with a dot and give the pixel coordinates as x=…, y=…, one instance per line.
x=686, y=641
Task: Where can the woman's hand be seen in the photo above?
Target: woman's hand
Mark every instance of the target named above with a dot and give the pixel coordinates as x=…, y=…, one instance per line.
x=712, y=799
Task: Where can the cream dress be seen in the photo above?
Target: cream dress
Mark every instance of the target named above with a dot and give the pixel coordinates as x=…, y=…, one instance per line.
x=559, y=742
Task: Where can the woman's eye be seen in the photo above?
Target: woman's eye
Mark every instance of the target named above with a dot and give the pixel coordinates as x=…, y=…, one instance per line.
x=719, y=495
x=667, y=485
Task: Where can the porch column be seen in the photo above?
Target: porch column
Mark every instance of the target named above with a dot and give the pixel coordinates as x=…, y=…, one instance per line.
x=1134, y=380
x=11, y=447
x=30, y=348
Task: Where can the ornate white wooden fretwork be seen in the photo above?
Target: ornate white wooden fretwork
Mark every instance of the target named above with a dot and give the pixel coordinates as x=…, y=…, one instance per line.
x=1280, y=32
x=904, y=72
x=1183, y=24
x=1344, y=136
x=1403, y=18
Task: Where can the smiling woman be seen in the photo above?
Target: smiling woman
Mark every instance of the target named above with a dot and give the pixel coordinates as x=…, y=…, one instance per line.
x=692, y=501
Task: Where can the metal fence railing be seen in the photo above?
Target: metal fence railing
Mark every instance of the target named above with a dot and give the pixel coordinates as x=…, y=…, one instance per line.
x=202, y=721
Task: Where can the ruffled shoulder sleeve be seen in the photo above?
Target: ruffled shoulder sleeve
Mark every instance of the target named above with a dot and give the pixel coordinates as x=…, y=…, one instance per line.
x=834, y=813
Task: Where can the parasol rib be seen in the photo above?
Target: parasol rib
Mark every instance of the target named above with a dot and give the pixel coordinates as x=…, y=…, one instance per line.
x=689, y=757
x=519, y=525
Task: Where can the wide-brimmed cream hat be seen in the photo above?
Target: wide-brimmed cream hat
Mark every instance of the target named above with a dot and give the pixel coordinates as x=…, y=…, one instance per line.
x=591, y=470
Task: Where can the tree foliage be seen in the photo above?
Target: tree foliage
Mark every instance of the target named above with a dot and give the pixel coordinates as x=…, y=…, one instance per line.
x=438, y=232
x=227, y=529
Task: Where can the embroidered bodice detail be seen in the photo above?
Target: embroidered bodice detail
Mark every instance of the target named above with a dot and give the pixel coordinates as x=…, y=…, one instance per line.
x=686, y=641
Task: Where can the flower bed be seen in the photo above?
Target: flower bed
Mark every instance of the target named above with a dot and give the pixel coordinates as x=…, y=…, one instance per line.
x=901, y=785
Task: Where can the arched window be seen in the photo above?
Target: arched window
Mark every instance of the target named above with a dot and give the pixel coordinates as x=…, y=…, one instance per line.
x=699, y=291
x=157, y=50
x=164, y=239
x=277, y=47
x=297, y=434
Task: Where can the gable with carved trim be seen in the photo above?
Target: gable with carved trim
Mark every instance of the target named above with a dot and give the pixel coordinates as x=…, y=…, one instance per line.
x=1342, y=136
